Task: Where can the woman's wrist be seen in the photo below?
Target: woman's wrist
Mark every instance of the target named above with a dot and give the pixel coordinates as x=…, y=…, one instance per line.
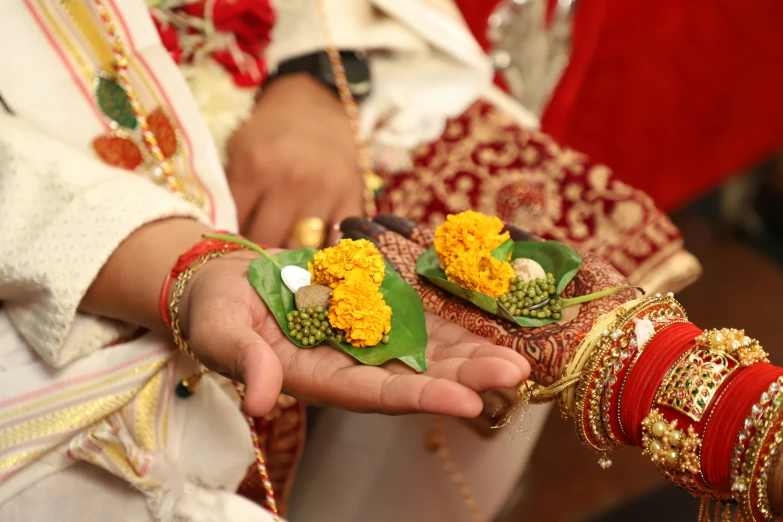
x=706, y=406
x=128, y=286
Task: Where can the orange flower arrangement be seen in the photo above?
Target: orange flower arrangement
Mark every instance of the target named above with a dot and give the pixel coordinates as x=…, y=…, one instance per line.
x=331, y=265
x=479, y=271
x=467, y=231
x=358, y=309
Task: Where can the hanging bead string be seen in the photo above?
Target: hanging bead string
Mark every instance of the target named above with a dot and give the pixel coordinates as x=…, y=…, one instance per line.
x=260, y=462
x=370, y=179
x=207, y=249
x=436, y=443
x=165, y=168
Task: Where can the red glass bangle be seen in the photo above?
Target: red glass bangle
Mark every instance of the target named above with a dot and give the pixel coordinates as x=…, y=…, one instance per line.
x=645, y=377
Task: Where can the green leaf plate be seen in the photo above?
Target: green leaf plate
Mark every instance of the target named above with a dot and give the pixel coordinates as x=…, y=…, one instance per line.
x=408, y=335
x=555, y=258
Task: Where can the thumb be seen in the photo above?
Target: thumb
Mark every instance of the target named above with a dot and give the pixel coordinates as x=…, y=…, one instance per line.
x=262, y=374
x=238, y=351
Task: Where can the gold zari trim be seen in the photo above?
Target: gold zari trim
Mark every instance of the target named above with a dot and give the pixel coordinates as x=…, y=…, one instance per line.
x=69, y=419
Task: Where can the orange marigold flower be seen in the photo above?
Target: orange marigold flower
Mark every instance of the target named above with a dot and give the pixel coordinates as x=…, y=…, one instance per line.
x=467, y=231
x=358, y=309
x=481, y=272
x=330, y=266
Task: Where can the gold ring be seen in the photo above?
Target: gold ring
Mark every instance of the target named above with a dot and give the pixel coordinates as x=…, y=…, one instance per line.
x=310, y=232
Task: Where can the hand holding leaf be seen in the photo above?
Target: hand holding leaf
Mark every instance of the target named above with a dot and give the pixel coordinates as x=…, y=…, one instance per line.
x=232, y=331
x=547, y=348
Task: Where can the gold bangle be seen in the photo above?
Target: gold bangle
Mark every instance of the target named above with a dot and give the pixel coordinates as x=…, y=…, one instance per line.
x=753, y=499
x=745, y=435
x=179, y=289
x=607, y=360
x=676, y=452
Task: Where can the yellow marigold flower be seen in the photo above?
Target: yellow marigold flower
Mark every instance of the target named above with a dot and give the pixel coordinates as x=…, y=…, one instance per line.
x=467, y=231
x=481, y=272
x=330, y=266
x=358, y=309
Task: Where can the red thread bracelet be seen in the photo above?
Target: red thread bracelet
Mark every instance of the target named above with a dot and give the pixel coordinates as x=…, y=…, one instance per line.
x=202, y=247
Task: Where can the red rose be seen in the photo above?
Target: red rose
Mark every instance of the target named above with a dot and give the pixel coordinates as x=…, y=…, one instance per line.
x=251, y=22
x=242, y=79
x=169, y=39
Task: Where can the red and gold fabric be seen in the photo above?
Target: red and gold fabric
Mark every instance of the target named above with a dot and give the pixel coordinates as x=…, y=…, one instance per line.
x=487, y=162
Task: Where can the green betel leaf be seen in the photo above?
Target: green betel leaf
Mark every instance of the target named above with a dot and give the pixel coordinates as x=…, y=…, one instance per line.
x=408, y=335
x=503, y=252
x=114, y=102
x=555, y=258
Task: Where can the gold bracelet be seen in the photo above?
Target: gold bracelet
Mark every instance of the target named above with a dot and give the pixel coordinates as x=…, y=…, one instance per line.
x=179, y=290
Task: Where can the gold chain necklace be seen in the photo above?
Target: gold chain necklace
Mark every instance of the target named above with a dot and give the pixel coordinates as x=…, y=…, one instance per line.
x=370, y=180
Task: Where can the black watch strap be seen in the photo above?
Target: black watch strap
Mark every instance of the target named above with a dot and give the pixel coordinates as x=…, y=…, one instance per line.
x=317, y=65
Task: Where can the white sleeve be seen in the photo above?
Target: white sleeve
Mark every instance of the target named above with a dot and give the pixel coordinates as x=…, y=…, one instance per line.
x=425, y=63
x=62, y=214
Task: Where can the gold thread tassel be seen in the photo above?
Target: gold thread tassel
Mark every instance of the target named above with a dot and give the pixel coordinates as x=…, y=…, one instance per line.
x=532, y=393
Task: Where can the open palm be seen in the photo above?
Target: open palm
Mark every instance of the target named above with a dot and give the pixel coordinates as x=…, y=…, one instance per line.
x=233, y=332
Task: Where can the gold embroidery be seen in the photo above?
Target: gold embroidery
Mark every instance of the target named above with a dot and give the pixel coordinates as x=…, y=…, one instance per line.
x=91, y=32
x=20, y=459
x=65, y=420
x=146, y=406
x=86, y=71
x=84, y=390
x=88, y=47
x=101, y=447
x=550, y=191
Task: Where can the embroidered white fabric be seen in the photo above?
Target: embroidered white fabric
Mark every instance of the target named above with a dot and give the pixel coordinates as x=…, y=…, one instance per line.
x=62, y=214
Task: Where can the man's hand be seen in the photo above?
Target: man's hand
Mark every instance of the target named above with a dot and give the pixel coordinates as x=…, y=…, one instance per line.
x=295, y=158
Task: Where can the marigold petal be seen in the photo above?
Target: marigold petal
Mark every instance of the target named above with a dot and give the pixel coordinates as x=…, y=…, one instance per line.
x=479, y=271
x=358, y=309
x=330, y=266
x=467, y=231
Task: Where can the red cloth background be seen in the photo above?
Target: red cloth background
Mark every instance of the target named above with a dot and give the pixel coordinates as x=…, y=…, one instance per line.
x=675, y=96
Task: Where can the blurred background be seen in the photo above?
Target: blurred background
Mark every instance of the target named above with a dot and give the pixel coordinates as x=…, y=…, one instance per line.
x=683, y=100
